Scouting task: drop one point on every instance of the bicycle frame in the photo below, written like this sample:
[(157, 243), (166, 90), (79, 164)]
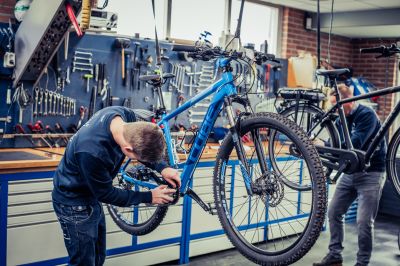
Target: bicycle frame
[(382, 131), (221, 89)]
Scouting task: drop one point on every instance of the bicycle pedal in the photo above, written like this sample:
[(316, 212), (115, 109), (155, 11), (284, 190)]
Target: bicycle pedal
[(212, 208)]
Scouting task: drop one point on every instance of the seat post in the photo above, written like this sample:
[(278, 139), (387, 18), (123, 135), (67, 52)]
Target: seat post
[(160, 97), (342, 117)]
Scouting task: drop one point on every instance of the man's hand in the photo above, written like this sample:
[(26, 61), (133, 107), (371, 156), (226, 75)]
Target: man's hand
[(171, 175), (318, 142), (162, 194)]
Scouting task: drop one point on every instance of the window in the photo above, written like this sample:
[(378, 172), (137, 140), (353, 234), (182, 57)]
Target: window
[(136, 16), (192, 17), (259, 23)]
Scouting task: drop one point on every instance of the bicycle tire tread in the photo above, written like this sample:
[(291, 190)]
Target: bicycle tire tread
[(316, 221)]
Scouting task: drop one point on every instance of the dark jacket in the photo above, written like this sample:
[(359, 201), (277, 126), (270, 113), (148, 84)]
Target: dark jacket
[(91, 160), (364, 124)]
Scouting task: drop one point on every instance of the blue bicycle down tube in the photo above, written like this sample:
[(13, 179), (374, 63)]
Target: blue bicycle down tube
[(203, 134)]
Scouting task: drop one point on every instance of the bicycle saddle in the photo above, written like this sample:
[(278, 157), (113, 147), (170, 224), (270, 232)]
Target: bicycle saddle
[(155, 78), (332, 73)]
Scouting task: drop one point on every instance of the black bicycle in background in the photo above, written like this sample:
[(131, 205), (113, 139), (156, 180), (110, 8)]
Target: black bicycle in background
[(320, 124)]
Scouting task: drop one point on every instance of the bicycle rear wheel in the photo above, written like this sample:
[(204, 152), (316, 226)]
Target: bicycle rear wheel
[(306, 116), (275, 225), (393, 162), (139, 219)]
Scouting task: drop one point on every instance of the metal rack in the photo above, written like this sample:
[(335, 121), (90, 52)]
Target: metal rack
[(177, 234)]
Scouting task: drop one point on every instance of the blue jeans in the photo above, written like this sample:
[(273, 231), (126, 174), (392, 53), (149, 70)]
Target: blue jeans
[(84, 230), (367, 187)]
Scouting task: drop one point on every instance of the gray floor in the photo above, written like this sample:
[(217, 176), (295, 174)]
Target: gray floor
[(386, 251)]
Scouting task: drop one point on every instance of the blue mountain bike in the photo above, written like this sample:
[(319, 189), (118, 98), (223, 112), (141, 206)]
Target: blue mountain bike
[(266, 220)]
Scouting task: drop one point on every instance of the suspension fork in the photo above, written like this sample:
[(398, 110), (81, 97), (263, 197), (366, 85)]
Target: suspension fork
[(240, 151)]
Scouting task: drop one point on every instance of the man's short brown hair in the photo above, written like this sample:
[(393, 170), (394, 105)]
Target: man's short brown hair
[(146, 139)]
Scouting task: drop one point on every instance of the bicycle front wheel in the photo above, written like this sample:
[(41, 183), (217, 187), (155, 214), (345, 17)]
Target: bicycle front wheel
[(276, 225)]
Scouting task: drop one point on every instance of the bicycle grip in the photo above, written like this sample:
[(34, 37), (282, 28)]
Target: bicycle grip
[(184, 48), (373, 50)]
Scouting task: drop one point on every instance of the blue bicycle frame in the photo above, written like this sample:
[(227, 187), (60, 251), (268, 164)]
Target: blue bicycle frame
[(222, 88)]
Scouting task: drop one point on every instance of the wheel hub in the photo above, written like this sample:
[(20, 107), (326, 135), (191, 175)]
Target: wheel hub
[(270, 188)]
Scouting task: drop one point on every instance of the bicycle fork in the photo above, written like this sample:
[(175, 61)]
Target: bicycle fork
[(240, 151)]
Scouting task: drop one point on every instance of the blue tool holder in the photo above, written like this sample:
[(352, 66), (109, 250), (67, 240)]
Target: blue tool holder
[(104, 51)]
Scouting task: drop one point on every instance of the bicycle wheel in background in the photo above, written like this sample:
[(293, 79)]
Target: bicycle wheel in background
[(276, 225), (139, 219), (393, 162), (306, 117)]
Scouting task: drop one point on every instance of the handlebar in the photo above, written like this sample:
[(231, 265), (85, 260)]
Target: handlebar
[(207, 53), (184, 48), (385, 51), (374, 50)]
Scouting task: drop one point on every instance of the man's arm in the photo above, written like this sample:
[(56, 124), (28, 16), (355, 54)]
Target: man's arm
[(159, 166), (169, 174), (99, 182)]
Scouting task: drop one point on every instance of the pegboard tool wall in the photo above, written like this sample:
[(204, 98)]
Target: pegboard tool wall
[(104, 51)]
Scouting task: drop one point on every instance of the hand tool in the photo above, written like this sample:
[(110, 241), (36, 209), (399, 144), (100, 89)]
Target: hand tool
[(90, 70), (87, 77), (60, 105), (128, 67), (20, 130), (92, 104), (35, 111), (58, 96), (50, 100), (100, 80), (79, 64), (59, 129), (84, 53), (191, 120), (41, 102), (105, 81), (62, 111), (96, 73), (6, 119), (67, 76), (122, 43), (201, 105), (192, 113), (36, 129), (66, 43), (76, 58), (82, 111), (8, 98), (46, 95)]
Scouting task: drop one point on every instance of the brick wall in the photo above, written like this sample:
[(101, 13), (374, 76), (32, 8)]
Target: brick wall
[(6, 10), (295, 37), (375, 69), (344, 52)]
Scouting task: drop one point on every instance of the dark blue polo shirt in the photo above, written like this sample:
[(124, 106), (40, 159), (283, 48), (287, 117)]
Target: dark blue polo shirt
[(91, 160)]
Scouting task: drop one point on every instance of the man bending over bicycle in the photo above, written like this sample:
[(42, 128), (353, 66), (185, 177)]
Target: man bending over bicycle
[(363, 124), (83, 179)]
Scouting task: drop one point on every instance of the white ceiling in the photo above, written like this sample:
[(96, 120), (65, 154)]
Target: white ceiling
[(339, 5), (391, 31)]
